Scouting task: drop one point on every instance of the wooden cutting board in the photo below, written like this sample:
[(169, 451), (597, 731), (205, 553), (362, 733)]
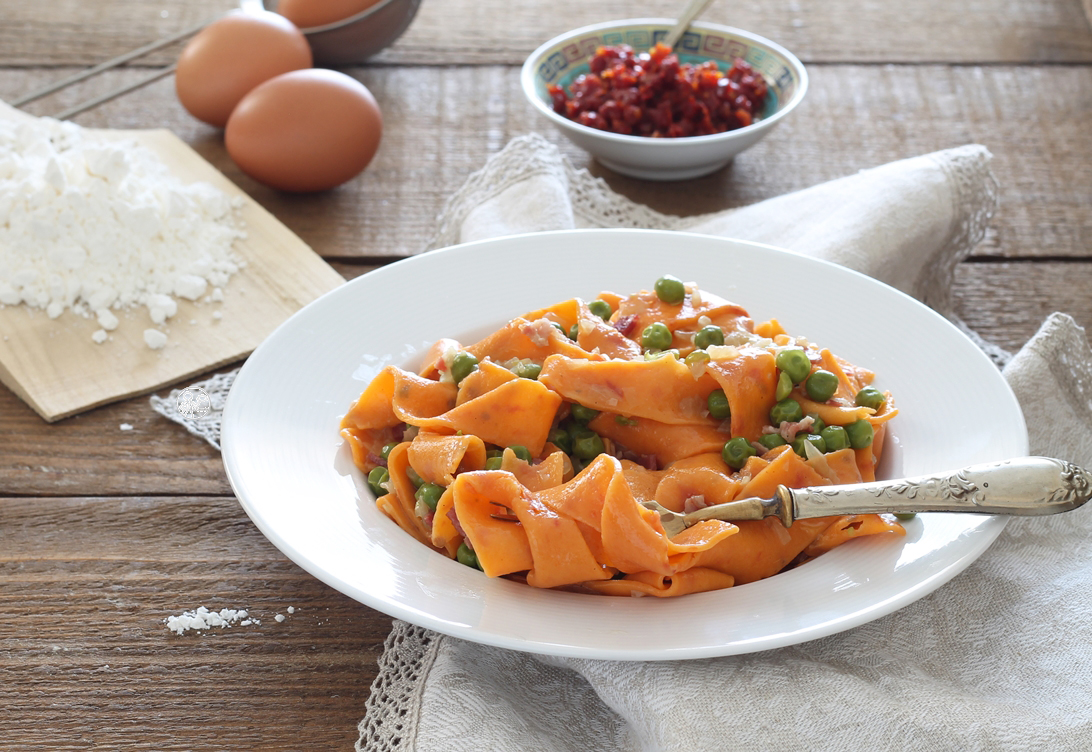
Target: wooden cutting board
[(55, 366)]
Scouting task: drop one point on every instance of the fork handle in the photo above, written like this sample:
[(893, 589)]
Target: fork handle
[(1023, 486)]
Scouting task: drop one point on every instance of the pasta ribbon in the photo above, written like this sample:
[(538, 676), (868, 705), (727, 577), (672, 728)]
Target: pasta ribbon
[(703, 478), (662, 389), (521, 338), (749, 381), (518, 412), (668, 442), (437, 457), (395, 396)]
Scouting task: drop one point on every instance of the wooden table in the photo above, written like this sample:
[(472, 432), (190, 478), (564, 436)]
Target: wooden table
[(104, 533)]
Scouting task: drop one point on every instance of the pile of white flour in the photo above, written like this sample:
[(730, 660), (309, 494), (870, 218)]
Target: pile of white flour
[(95, 226)]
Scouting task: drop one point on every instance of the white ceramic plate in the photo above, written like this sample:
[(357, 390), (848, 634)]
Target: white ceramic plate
[(294, 477)]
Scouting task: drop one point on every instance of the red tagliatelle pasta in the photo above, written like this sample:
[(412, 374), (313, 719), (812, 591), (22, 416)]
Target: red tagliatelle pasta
[(528, 454)]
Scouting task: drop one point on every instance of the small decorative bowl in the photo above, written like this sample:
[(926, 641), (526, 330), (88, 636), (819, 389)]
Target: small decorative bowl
[(564, 58), (354, 39)]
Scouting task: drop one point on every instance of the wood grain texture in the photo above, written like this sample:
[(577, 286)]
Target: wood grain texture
[(1007, 302), (105, 532), (442, 123), (87, 661), (90, 454), (489, 32)]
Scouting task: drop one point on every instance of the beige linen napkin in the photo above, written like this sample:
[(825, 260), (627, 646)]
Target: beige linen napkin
[(998, 659)]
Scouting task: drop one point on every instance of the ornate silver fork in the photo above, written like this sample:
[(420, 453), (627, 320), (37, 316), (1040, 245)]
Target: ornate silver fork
[(1024, 486)]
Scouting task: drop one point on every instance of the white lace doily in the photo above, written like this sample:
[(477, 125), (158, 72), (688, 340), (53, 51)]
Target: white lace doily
[(205, 424), (391, 712)]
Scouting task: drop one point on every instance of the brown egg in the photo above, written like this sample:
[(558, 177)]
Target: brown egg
[(231, 56), (305, 131), (308, 13)]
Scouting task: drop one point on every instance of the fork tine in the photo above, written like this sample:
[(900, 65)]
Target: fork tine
[(673, 522)]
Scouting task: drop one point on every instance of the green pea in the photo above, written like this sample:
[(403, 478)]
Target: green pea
[(429, 494), (624, 420), (835, 437), (786, 410), (527, 370), (587, 444), (558, 326), (871, 397), (904, 516), (521, 451), (821, 385), (561, 439), (582, 414), (771, 440), (462, 365), (736, 452), (670, 289), (493, 463), (600, 308), (656, 337), (707, 336), (784, 386), (385, 452), (574, 332), (465, 555), (696, 356), (795, 363), (415, 479), (376, 478), (808, 438), (817, 423), (717, 402), (860, 434)]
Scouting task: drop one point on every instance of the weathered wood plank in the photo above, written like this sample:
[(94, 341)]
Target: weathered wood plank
[(466, 31), (85, 587), (1007, 302), (441, 124), (91, 454)]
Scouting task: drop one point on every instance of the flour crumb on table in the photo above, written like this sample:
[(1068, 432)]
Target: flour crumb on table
[(106, 319), (155, 339), (202, 619), (96, 225), (126, 427)]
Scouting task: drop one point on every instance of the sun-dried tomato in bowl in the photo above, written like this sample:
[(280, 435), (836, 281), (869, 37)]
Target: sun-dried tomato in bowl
[(653, 94)]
